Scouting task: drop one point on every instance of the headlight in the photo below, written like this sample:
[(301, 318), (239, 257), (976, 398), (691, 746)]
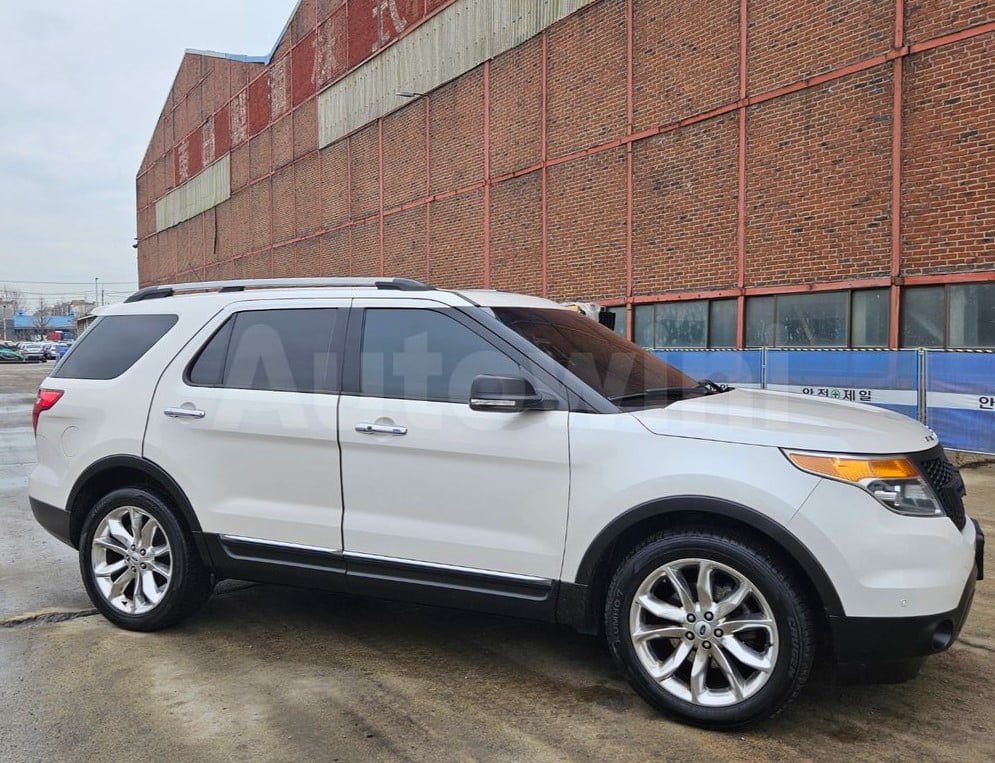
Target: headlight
[(895, 482)]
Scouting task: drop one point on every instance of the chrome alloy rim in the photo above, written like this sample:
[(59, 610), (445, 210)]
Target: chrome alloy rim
[(131, 559), (703, 632)]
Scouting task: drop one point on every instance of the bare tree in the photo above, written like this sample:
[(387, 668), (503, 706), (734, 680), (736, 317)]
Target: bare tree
[(42, 317), (11, 298)]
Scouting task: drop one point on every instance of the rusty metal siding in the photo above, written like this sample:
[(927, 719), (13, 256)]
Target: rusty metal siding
[(453, 42), (206, 190)]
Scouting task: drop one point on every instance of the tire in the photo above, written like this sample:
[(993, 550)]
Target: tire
[(147, 585), (713, 678)]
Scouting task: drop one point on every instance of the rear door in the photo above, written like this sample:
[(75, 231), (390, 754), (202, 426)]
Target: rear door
[(245, 420)]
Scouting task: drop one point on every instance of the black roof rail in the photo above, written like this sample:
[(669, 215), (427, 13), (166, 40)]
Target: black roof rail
[(397, 284)]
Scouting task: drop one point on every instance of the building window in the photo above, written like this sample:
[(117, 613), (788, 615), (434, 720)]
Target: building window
[(820, 319), (955, 316), (698, 323), (621, 317), (870, 317)]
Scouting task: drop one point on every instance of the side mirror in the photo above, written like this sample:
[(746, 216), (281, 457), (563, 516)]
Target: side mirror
[(507, 394)]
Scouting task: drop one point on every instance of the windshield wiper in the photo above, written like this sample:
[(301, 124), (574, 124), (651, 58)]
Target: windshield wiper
[(655, 392), (706, 386)]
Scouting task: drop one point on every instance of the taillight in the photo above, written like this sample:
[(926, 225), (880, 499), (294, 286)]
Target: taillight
[(45, 400)]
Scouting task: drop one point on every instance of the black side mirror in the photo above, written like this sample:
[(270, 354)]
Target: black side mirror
[(508, 394)]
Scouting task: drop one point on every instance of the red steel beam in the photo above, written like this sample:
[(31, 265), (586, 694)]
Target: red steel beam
[(543, 167), (487, 174), (380, 216), (629, 120), (741, 177), (428, 184), (895, 306)]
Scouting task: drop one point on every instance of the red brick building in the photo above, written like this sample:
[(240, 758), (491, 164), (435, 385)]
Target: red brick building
[(738, 172)]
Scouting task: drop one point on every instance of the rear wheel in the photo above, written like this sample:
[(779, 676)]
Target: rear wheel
[(709, 628), (138, 563)]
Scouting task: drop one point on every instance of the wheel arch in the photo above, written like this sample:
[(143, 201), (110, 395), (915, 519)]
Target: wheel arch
[(581, 601), (121, 471)]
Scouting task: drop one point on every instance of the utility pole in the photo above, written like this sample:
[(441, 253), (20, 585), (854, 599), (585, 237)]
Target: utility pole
[(96, 292)]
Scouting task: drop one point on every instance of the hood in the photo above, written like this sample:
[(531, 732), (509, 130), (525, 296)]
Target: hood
[(788, 420)]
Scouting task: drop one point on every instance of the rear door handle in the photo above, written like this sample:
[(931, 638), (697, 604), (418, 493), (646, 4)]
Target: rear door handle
[(364, 428), (184, 413)]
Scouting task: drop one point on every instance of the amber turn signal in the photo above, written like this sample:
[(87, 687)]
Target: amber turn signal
[(851, 469)]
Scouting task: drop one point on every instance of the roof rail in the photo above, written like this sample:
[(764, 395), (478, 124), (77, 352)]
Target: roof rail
[(158, 292)]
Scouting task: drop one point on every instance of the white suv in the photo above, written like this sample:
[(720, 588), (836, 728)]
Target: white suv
[(497, 452)]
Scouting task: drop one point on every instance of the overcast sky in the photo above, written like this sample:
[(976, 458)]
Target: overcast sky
[(82, 83)]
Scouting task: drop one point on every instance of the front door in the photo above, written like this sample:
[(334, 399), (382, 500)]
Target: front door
[(428, 480)]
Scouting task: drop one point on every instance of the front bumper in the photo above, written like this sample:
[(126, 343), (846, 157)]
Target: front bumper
[(892, 649)]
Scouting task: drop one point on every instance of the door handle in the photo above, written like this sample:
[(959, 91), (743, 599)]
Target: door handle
[(364, 428), (184, 413)]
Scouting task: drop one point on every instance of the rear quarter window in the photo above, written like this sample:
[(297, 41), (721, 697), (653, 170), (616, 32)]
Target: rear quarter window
[(112, 345)]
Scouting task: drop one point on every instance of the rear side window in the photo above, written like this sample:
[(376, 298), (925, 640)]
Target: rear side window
[(112, 345), (275, 350)]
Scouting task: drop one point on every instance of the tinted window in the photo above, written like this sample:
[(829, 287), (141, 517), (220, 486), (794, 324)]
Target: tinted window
[(276, 350), (112, 345), (425, 355), (601, 358)]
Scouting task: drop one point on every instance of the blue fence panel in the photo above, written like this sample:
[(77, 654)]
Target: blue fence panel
[(743, 368), (886, 378), (960, 399)]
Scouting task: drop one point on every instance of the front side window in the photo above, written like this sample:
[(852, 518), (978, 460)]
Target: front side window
[(275, 350), (419, 354), (112, 345)]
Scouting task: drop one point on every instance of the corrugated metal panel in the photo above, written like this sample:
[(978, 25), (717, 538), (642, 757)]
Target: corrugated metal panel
[(453, 42), (199, 194)]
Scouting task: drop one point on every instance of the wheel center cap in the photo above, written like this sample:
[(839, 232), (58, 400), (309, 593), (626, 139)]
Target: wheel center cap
[(135, 557), (704, 630)]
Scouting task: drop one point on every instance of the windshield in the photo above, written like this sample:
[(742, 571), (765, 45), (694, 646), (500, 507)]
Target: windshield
[(623, 372)]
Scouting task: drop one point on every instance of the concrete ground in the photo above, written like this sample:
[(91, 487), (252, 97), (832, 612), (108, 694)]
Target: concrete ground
[(269, 673)]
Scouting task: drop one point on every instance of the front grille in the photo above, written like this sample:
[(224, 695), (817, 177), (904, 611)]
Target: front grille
[(945, 480)]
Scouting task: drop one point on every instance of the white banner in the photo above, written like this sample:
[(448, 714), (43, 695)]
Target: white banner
[(963, 401), (854, 394)]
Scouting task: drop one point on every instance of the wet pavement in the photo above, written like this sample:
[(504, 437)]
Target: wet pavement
[(271, 673)]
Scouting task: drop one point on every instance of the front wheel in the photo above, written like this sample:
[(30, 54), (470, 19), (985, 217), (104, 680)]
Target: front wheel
[(709, 628), (138, 563)]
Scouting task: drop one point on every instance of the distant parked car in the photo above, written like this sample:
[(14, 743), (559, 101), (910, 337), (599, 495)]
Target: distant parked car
[(8, 355), (50, 350), (32, 350), (60, 349)]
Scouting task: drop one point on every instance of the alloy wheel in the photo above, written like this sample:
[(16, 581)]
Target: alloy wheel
[(132, 560), (703, 632)]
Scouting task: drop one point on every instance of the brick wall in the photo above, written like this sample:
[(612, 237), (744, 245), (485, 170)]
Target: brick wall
[(632, 151)]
